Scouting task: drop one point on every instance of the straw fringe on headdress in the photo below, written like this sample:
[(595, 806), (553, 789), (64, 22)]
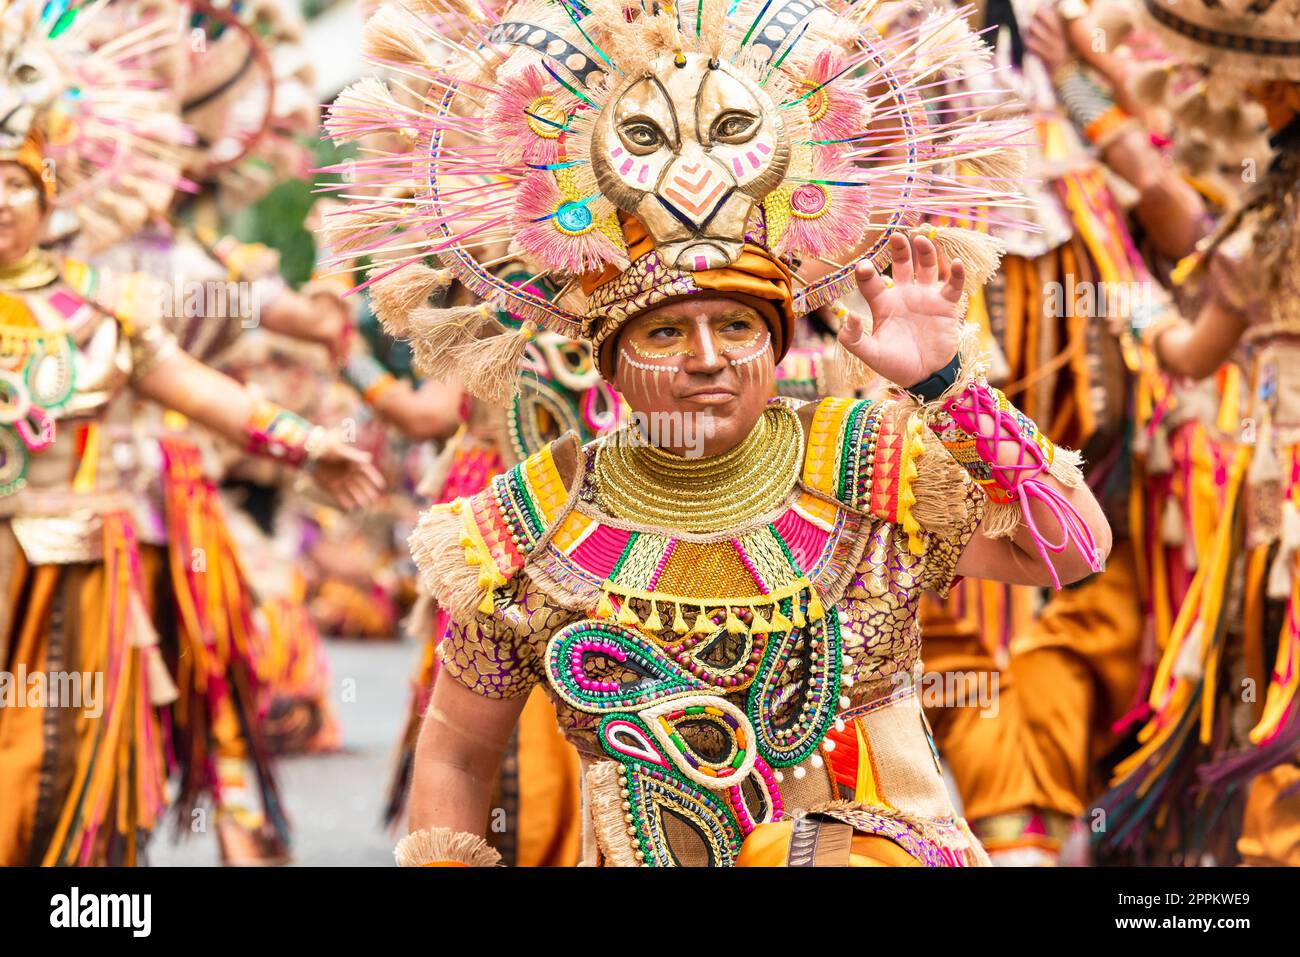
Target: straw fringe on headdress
[(112, 136), (513, 146), (1244, 39)]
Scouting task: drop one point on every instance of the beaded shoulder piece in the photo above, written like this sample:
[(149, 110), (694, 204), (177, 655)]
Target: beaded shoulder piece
[(493, 531), (39, 366), (860, 465), (863, 454)]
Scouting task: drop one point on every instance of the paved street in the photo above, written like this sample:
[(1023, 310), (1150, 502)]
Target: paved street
[(335, 800)]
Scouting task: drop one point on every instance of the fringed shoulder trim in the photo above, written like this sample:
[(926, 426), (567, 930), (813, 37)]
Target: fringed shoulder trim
[(878, 457), (468, 548)]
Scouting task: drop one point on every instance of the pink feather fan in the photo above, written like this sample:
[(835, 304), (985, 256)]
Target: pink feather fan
[(826, 219), (525, 117), (539, 227)]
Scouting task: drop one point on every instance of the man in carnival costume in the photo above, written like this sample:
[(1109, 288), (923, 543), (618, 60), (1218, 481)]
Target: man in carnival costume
[(723, 633), (83, 781)]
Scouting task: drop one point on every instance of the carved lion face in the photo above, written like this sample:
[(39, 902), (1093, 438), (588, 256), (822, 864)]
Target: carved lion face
[(30, 80), (690, 150)]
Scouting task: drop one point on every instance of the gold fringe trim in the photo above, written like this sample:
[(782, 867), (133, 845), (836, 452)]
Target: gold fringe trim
[(605, 787), (439, 844), (913, 448), (451, 571), (705, 608)]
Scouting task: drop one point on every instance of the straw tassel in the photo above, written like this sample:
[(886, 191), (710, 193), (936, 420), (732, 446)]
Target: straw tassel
[(441, 844), (703, 624), (1005, 164), (438, 551), (780, 623), (390, 37), (356, 230), (848, 372), (944, 484), (438, 336), (489, 368), (605, 798), (679, 623), (398, 296), (351, 117), (979, 252), (734, 625), (758, 624)]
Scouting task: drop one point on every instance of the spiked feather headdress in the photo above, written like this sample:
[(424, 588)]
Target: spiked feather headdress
[(84, 79), (637, 152)]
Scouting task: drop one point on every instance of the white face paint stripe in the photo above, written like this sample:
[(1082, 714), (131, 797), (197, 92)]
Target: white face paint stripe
[(753, 357), (645, 366), (18, 198)]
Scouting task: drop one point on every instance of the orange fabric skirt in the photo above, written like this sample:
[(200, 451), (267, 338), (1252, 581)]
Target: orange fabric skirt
[(81, 782)]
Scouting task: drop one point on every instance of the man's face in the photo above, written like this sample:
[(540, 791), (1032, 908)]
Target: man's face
[(21, 212), (702, 369)]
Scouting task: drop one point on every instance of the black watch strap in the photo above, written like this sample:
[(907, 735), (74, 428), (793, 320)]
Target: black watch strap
[(937, 383)]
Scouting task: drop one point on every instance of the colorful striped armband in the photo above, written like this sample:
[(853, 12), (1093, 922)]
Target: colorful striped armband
[(276, 433), (1007, 455)]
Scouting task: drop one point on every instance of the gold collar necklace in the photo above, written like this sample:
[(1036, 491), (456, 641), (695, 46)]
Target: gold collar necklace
[(648, 486), (34, 270)]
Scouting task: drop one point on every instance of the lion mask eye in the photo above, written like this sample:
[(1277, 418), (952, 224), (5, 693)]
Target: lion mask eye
[(641, 136), (27, 73), (734, 127)]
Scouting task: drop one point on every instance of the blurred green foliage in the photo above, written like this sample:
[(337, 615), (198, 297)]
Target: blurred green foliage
[(278, 219)]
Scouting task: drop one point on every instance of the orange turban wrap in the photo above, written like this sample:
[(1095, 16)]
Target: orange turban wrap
[(756, 278), (31, 157)]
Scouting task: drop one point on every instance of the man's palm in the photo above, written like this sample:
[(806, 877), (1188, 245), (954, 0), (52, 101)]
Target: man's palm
[(915, 317)]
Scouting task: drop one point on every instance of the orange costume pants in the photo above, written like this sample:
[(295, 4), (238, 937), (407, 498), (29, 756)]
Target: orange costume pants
[(1072, 673)]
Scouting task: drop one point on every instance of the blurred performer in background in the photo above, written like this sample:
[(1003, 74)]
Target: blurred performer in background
[(730, 638), (1223, 706), (84, 782), (555, 389), (245, 95)]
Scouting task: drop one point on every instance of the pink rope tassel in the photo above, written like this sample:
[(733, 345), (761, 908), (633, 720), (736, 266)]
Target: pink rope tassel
[(1018, 481)]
